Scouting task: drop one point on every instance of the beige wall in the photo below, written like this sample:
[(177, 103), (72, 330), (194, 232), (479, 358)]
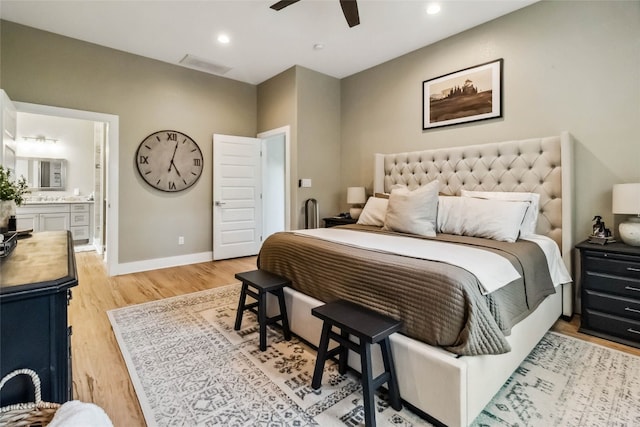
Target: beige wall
[(43, 68), (319, 140), (277, 107), (567, 66), (309, 102)]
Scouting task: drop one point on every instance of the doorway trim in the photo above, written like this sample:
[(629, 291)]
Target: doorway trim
[(111, 149), (286, 130)]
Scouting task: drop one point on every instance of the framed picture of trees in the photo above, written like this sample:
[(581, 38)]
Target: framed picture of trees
[(474, 93)]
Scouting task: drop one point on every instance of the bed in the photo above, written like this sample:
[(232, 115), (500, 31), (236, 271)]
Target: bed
[(450, 382)]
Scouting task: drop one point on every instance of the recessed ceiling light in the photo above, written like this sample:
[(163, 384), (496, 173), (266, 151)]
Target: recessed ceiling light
[(433, 8), (223, 38)]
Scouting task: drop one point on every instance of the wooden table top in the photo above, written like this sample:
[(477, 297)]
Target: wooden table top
[(43, 258)]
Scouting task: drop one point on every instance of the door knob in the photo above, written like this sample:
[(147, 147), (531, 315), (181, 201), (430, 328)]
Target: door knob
[(219, 203)]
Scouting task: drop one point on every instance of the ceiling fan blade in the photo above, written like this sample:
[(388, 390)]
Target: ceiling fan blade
[(282, 4), (350, 10)]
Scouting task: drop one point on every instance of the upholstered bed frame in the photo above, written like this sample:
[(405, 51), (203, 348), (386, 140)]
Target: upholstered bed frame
[(449, 388)]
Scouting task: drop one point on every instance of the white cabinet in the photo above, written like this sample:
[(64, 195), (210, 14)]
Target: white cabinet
[(80, 220), (54, 221), (27, 221), (43, 217), (75, 217)]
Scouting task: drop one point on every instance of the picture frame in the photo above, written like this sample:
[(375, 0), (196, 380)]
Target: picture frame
[(463, 96)]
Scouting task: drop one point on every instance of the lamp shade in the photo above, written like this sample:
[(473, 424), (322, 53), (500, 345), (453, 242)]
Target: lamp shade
[(626, 199), (356, 195)]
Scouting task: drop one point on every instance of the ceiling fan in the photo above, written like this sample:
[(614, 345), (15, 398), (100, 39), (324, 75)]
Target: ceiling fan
[(349, 8)]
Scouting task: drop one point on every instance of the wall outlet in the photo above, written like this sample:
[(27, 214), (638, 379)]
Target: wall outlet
[(181, 240)]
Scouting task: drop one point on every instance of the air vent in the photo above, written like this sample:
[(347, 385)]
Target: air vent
[(203, 65)]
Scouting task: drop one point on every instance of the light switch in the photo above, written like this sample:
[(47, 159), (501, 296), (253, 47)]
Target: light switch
[(305, 182)]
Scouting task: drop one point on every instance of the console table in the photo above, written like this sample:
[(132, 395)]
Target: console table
[(35, 287)]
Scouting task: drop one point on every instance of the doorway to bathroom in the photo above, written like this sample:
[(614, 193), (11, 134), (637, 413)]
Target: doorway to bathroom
[(87, 141)]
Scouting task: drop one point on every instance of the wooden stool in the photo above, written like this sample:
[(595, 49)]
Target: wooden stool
[(263, 282), (370, 328)]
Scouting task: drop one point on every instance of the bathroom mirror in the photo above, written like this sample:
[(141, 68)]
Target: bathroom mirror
[(43, 174)]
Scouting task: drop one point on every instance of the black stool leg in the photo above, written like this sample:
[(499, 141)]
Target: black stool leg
[(387, 358), (262, 319), (241, 303), (344, 354), (321, 357), (283, 313), (368, 392)]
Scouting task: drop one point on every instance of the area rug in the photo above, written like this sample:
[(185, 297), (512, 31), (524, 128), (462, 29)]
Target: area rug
[(190, 368)]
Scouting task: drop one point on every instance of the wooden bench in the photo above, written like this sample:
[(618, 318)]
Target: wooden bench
[(370, 328), (263, 282)]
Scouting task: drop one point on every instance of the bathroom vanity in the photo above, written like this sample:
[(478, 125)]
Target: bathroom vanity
[(75, 216)]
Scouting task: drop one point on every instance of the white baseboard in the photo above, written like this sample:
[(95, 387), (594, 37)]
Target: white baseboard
[(158, 263)]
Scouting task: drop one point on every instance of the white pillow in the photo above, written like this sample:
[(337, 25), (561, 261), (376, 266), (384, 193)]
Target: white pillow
[(413, 211), (491, 219), (530, 222), (374, 212)]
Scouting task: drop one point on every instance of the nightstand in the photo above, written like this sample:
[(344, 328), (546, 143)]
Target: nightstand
[(610, 291), (335, 220)]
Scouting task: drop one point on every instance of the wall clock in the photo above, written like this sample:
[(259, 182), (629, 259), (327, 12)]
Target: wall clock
[(169, 160)]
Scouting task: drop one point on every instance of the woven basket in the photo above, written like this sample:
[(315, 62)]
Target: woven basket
[(31, 413)]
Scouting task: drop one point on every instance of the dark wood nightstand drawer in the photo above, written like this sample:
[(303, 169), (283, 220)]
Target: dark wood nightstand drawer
[(610, 290), (613, 325), (622, 265), (618, 306), (612, 284)]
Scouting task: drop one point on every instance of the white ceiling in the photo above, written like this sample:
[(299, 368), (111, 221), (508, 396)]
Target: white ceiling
[(263, 42)]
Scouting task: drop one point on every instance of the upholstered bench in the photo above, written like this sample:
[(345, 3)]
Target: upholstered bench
[(263, 283), (370, 328)]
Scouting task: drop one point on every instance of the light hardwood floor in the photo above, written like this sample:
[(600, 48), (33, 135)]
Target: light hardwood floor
[(99, 372)]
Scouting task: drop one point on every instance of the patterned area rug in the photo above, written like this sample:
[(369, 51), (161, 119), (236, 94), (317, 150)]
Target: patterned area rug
[(190, 368)]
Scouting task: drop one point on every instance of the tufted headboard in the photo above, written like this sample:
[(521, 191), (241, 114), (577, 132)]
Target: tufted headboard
[(540, 165)]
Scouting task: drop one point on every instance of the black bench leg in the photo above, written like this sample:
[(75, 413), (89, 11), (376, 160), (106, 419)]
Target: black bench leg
[(387, 358), (368, 392), (262, 320), (241, 303), (344, 354), (321, 357), (283, 313)]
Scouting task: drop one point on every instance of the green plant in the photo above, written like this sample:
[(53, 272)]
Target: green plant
[(11, 189)]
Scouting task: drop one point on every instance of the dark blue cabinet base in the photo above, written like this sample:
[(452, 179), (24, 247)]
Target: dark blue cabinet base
[(34, 331)]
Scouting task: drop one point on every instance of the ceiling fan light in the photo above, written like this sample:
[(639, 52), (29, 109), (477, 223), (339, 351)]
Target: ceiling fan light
[(433, 8)]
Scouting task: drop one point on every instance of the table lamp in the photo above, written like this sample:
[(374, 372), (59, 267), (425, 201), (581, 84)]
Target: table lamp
[(626, 200), (356, 196)]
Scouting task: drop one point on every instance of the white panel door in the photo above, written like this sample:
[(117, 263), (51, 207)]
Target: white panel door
[(8, 124), (237, 210)]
